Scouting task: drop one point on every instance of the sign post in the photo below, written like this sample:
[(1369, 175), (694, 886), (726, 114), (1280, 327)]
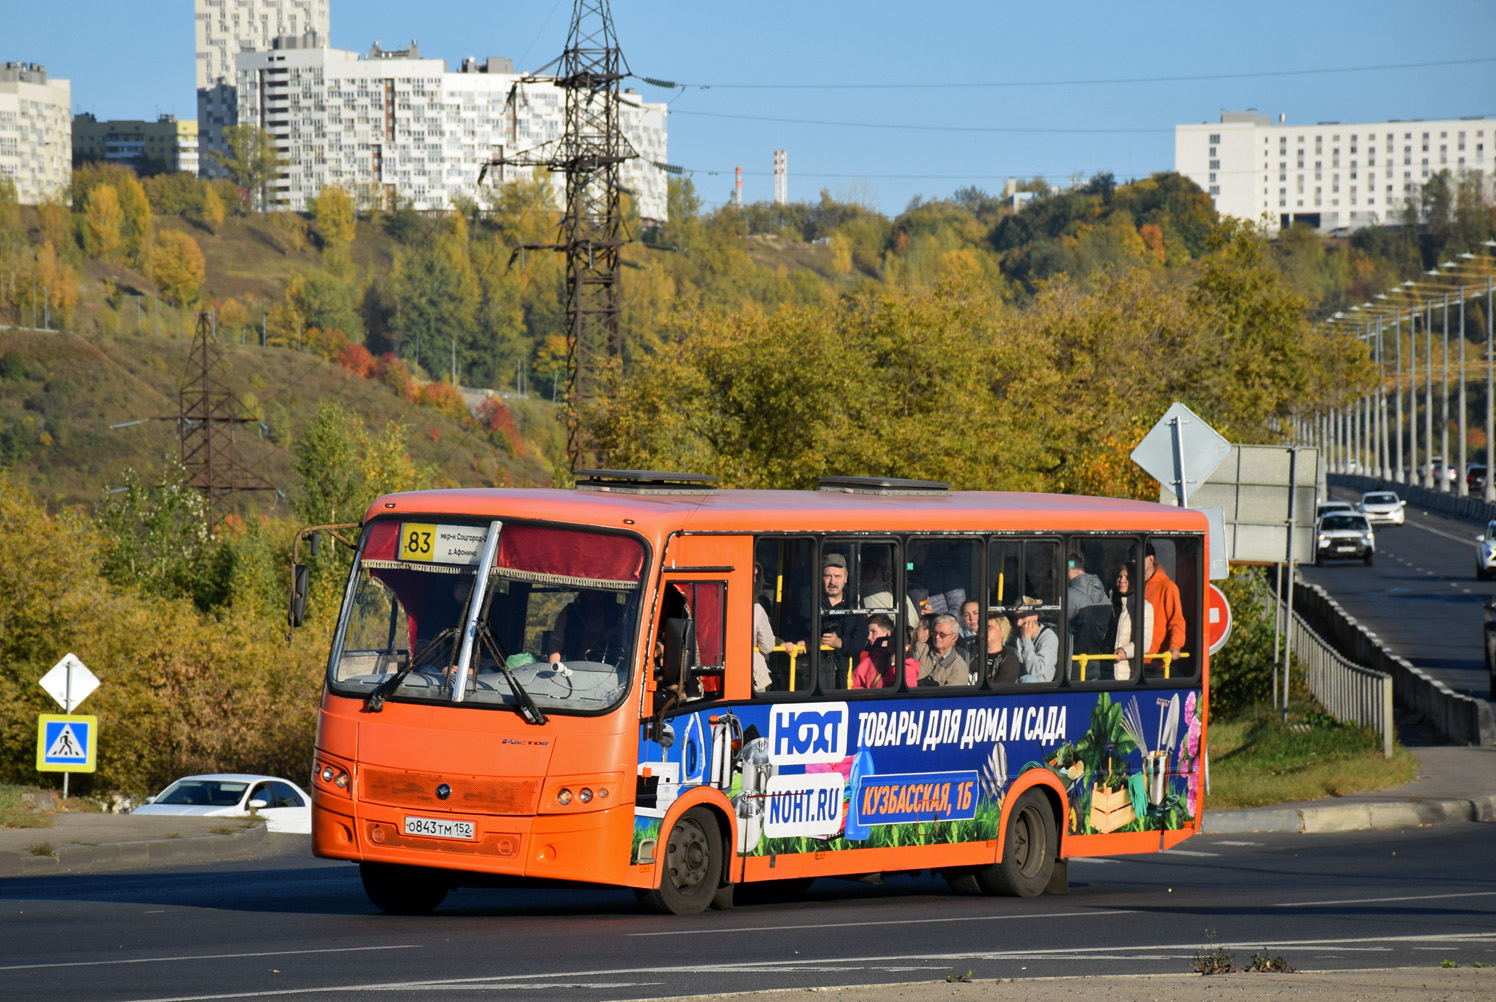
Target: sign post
[(67, 743)]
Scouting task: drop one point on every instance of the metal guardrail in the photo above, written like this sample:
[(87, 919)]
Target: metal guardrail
[(1349, 692), (1472, 508)]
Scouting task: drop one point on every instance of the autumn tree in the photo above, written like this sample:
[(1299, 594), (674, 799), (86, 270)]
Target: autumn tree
[(136, 223), (210, 211), (336, 216), (103, 221), (176, 265)]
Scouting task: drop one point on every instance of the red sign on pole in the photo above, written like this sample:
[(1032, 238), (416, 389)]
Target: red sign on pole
[(1217, 617)]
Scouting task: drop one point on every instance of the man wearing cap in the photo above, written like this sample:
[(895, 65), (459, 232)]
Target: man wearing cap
[(1036, 645), (842, 632)]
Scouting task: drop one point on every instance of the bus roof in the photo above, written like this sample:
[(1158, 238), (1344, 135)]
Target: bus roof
[(788, 511)]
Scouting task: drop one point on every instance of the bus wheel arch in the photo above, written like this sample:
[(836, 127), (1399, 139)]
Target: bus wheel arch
[(1029, 848), (693, 864)]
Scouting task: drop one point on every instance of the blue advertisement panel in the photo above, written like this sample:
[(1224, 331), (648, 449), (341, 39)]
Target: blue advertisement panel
[(873, 773)]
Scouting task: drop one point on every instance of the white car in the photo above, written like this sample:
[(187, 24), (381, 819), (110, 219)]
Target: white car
[(1333, 508), (284, 805), (1382, 508), (1344, 536), (1485, 553)]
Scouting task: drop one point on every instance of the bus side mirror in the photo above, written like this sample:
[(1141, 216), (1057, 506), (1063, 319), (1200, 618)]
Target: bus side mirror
[(300, 577), (680, 648)]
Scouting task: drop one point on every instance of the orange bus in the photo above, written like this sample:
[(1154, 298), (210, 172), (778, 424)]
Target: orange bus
[(648, 682)]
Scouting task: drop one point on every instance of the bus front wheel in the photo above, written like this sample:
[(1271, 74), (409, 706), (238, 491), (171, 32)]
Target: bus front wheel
[(1029, 849), (693, 866), (401, 890)]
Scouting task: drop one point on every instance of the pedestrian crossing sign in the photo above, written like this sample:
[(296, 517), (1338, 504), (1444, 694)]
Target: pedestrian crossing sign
[(66, 743)]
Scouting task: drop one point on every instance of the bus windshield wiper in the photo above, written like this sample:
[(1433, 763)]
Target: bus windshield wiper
[(527, 707), (375, 701)]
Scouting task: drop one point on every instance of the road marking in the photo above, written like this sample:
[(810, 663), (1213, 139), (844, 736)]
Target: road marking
[(854, 925), (1379, 901), (211, 956), (1134, 952), (1188, 852), (1223, 842), (1093, 859)]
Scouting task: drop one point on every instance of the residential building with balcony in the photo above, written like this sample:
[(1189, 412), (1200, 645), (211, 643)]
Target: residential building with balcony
[(35, 132)]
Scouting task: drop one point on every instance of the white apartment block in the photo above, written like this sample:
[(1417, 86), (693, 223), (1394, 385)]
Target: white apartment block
[(395, 124), (224, 28), (36, 132), (1331, 175)]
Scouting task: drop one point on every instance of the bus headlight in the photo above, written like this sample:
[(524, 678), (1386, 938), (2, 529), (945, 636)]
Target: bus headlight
[(333, 778), (564, 797)]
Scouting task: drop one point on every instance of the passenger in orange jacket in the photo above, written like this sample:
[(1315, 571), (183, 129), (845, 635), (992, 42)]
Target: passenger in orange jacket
[(1168, 612)]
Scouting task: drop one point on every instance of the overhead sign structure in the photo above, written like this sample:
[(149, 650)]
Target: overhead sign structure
[(66, 743), (1267, 493), (1217, 618), (1181, 451), (69, 682)]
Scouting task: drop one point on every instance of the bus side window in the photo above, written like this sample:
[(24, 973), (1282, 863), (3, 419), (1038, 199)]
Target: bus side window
[(702, 604), (1173, 569), (944, 574), (783, 591), (1103, 595), (1025, 586)]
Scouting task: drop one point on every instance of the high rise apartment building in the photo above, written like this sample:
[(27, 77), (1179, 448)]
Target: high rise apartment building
[(1331, 175), (165, 145), (36, 144), (391, 124), (225, 28)]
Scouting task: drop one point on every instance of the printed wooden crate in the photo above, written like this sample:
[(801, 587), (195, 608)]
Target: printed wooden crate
[(1111, 809)]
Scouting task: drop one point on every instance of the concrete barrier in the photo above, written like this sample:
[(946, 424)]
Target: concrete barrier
[(1460, 718)]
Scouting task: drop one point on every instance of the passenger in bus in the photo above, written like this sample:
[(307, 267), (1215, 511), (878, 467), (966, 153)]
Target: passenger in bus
[(875, 668), (1036, 645), (587, 629), (919, 646), (971, 618), (999, 663), (763, 646), (1123, 644), (1162, 594), (948, 663), (1087, 608), (876, 591), (842, 633)]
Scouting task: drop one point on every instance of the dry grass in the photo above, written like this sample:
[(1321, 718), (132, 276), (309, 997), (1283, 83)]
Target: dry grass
[(1258, 761)]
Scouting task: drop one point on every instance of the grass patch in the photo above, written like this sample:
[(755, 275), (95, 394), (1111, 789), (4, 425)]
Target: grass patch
[(21, 817), (42, 849), (1257, 759)]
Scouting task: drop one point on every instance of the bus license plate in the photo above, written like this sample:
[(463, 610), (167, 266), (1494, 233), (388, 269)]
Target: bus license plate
[(439, 828)]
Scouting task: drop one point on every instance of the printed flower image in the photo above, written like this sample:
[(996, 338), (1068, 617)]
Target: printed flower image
[(1189, 756)]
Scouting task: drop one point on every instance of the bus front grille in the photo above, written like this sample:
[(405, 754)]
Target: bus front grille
[(469, 794)]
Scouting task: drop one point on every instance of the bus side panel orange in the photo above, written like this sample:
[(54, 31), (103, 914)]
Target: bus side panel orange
[(853, 861)]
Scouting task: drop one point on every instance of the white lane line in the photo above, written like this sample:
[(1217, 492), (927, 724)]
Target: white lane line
[(1093, 859), (1224, 842), (1380, 901), (1149, 952), (1189, 852), (856, 925), (211, 956)]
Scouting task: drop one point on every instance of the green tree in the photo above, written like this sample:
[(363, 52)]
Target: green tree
[(103, 221), (436, 298), (154, 536), (251, 160), (176, 265), (327, 463)]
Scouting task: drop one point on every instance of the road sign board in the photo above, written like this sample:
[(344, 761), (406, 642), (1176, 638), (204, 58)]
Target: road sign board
[(69, 682), (66, 742), (1181, 450), (1217, 617)]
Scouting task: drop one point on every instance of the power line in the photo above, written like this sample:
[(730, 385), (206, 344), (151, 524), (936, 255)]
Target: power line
[(1093, 82), (920, 128)]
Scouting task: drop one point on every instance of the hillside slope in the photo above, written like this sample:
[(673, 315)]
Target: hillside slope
[(61, 393)]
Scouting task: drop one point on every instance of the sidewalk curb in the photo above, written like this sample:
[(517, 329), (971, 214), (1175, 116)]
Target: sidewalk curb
[(1351, 817), (125, 855)]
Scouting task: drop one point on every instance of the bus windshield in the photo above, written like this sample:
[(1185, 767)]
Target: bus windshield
[(559, 618)]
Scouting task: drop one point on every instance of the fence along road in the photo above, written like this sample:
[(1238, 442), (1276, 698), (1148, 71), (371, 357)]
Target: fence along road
[(1423, 604)]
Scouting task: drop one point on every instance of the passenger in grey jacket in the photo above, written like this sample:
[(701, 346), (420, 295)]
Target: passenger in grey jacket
[(1085, 589), (1036, 645)]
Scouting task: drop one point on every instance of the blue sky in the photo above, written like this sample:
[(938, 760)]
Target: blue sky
[(132, 60)]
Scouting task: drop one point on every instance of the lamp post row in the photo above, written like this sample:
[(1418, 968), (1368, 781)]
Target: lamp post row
[(1360, 436)]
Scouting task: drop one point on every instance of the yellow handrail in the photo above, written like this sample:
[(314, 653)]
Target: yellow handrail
[(1165, 656)]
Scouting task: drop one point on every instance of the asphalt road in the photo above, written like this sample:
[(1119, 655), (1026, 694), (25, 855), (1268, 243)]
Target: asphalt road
[(1420, 596), (286, 925)]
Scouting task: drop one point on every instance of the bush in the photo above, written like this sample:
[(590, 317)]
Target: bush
[(1241, 672)]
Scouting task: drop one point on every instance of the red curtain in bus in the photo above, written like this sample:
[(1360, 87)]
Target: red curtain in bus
[(542, 549)]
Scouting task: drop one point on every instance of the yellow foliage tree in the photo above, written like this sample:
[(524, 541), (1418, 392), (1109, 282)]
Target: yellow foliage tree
[(210, 212), (136, 223), (335, 212), (176, 265), (103, 221)]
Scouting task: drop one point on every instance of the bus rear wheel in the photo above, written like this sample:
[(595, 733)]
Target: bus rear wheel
[(693, 866), (402, 890), (1029, 850)]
